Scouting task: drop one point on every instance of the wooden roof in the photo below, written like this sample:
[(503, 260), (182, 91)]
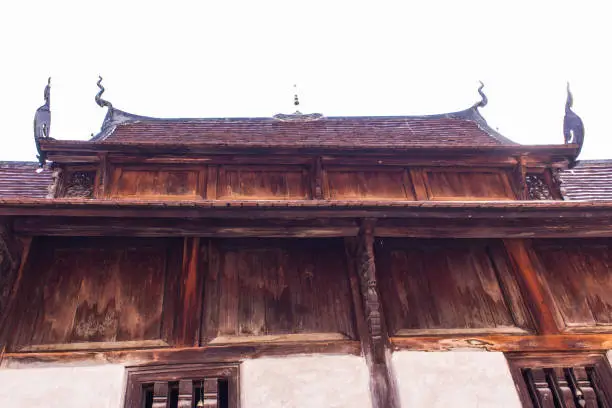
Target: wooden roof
[(588, 180), (463, 128), (20, 179)]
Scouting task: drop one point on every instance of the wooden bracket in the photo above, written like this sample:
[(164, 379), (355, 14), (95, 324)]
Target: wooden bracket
[(317, 178), (520, 178)]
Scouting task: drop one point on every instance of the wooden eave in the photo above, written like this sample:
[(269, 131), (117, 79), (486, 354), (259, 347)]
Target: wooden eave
[(86, 151), (313, 218)]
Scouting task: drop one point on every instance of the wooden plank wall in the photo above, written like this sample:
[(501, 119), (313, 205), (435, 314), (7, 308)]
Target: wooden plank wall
[(270, 289), (441, 286), (300, 182)]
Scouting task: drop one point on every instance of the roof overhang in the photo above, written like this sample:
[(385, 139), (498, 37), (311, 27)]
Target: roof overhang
[(309, 218)]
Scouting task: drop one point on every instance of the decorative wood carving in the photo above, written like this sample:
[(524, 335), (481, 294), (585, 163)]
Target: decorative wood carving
[(56, 181), (79, 184), (367, 274), (538, 188)]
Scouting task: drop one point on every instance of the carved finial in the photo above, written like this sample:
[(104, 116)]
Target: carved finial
[(296, 99), (484, 100), (101, 102), (570, 99), (573, 127), (47, 94), (42, 123)]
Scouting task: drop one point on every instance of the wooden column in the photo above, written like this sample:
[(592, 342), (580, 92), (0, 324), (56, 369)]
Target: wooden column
[(211, 392), (370, 321), (537, 298), (520, 178)]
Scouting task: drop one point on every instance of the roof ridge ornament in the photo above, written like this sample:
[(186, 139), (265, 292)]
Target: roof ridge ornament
[(297, 116), (484, 100), (101, 102), (573, 127), (42, 123)]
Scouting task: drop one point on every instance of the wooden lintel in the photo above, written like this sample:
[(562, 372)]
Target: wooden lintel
[(506, 343), (209, 354)]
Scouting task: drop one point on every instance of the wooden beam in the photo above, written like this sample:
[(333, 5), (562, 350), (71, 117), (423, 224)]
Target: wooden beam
[(203, 355), (506, 343), (539, 302)]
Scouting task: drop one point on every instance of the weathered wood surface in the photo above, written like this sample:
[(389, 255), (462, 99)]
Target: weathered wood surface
[(93, 290), (577, 274), (505, 342), (433, 286), (263, 183), (467, 185), (352, 184), (139, 182), (203, 355), (12, 253), (270, 287)]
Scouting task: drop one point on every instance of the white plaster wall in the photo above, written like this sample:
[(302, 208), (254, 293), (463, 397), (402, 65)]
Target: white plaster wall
[(454, 379), (63, 387), (313, 381)]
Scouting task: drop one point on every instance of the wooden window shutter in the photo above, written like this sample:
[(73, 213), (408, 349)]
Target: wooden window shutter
[(182, 386), (562, 380)]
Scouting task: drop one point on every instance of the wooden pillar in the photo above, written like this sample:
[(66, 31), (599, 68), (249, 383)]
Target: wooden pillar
[(185, 394), (160, 395), (369, 315), (537, 298)]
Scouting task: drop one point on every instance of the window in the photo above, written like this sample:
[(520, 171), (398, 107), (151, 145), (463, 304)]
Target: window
[(183, 386), (562, 380)]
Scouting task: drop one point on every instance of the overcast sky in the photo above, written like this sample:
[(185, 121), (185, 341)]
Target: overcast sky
[(225, 58)]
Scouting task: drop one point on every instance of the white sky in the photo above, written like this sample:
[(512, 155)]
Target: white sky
[(227, 58)]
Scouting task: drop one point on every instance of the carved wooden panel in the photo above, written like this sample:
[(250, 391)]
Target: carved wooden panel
[(78, 183), (78, 292), (577, 275), (164, 183), (266, 289), (460, 184), (435, 286), (538, 188), (375, 184), (562, 380), (263, 183)]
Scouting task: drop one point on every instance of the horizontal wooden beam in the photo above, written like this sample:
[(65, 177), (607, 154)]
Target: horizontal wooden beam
[(506, 343), (303, 209), (209, 354), (495, 227)]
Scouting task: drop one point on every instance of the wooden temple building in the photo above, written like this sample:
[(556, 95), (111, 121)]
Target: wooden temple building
[(301, 261)]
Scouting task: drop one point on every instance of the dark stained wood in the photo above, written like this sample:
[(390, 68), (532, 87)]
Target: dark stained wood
[(212, 177), (526, 267), (316, 175), (417, 177), (263, 183), (13, 258), (92, 290), (467, 185), (189, 377), (571, 380), (277, 287), (576, 274), (103, 177), (165, 183), (373, 184), (449, 286)]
